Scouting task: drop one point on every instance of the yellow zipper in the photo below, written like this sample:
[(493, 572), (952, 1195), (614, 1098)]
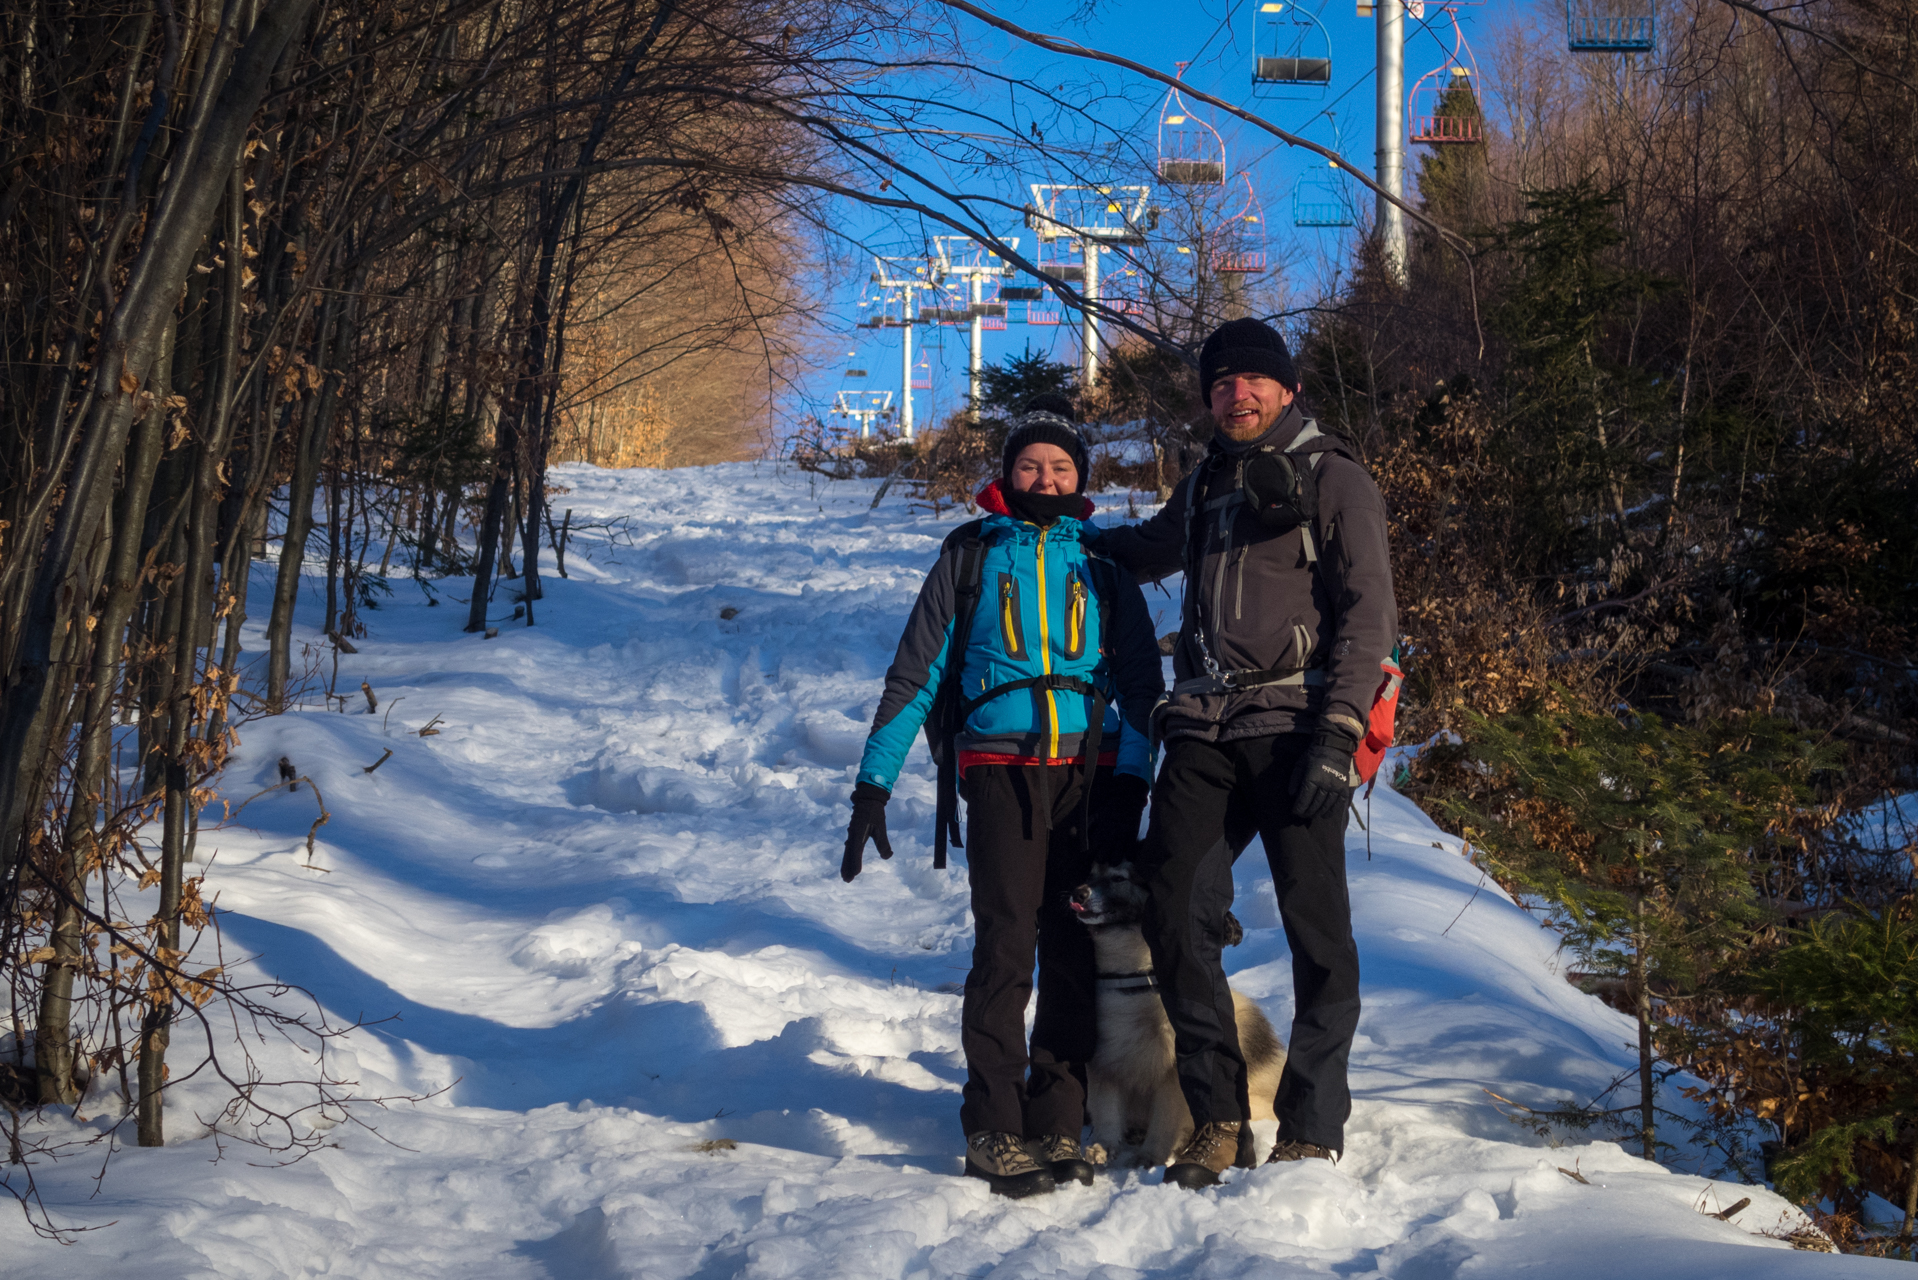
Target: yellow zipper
[(1045, 657), (1006, 621), (1076, 619)]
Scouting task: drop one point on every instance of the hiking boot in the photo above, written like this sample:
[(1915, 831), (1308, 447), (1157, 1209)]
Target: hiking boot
[(1285, 1151), (1065, 1157), (1003, 1161), (1212, 1149)]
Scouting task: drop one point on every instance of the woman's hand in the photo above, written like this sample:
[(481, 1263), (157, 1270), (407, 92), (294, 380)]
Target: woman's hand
[(868, 823)]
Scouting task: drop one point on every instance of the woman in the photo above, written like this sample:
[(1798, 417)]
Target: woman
[(1059, 642)]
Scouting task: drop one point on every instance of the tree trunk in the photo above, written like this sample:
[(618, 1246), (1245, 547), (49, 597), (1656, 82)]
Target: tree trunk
[(1911, 1194), (156, 1027), (340, 317), (53, 1048), (1642, 1002)]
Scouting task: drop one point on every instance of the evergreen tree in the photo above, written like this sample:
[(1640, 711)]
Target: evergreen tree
[(1576, 407), (1845, 994), (1005, 388), (1638, 838)]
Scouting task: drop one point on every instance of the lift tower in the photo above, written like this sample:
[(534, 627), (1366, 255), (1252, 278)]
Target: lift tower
[(1092, 219), (904, 279), (863, 407), (1390, 15), (965, 261)]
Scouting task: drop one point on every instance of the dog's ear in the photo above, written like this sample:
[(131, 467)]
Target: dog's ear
[(1234, 931)]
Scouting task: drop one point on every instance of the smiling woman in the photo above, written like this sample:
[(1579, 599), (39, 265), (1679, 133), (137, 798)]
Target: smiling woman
[(1020, 703)]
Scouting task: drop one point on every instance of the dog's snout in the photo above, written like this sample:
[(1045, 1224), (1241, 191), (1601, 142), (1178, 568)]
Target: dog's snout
[(1082, 894)]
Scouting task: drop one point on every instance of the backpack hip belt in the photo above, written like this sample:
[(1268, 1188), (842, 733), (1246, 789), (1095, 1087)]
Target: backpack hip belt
[(1239, 681)]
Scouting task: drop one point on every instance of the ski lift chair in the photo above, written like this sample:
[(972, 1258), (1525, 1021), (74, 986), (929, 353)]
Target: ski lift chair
[(1609, 28), (922, 374), (1291, 52), (1321, 200), (1443, 106), (1191, 152), (1238, 243)]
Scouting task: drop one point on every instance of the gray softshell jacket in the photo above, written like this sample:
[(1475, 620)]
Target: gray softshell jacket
[(1254, 602)]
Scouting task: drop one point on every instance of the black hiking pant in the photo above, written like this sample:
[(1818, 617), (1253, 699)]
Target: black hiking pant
[(1023, 858), (1208, 801)]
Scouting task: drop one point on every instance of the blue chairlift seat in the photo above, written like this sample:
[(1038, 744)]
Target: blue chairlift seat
[(1319, 201), (1586, 31)]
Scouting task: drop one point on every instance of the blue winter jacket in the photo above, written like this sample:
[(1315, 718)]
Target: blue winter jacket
[(1048, 606)]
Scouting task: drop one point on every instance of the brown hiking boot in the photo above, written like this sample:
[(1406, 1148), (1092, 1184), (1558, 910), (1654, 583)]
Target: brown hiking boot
[(1284, 1151), (1003, 1161), (1212, 1149), (1064, 1156)]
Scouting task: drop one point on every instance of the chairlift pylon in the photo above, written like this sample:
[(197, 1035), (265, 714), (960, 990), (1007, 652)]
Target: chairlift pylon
[(1191, 152), (1238, 243), (1291, 51), (1610, 26), (1443, 106)]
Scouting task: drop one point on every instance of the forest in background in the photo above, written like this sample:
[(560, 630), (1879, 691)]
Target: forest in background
[(342, 281)]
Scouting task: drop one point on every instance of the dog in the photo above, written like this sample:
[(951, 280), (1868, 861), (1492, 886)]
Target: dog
[(1138, 1113)]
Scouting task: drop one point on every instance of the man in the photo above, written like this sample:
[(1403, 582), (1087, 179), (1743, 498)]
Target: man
[(1287, 615)]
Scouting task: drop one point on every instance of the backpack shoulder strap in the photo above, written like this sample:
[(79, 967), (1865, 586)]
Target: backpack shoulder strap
[(942, 724)]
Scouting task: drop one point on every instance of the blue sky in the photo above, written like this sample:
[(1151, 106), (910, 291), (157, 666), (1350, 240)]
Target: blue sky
[(1216, 38)]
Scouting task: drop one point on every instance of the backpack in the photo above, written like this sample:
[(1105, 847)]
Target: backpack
[(1380, 726)]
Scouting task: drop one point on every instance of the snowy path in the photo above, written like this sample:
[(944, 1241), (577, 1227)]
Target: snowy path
[(602, 908)]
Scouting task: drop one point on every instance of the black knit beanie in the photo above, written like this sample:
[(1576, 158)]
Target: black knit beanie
[(1044, 426), (1245, 346)]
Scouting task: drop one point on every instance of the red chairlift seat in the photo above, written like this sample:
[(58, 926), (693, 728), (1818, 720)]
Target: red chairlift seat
[(1443, 106), (1446, 111), (1238, 243)]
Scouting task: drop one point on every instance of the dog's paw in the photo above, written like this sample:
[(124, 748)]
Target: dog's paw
[(1234, 931), (1096, 1155)]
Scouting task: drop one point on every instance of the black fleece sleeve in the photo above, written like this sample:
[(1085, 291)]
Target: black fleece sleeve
[(1358, 563), (1155, 547), (1134, 654)]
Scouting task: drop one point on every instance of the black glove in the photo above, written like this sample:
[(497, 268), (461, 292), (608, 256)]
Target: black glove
[(1322, 780), (868, 822), (1129, 794)]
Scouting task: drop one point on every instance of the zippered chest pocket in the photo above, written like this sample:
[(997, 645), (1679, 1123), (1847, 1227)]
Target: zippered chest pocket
[(1012, 635), (1076, 618)]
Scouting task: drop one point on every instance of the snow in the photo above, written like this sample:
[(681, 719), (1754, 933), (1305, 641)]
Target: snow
[(597, 928)]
